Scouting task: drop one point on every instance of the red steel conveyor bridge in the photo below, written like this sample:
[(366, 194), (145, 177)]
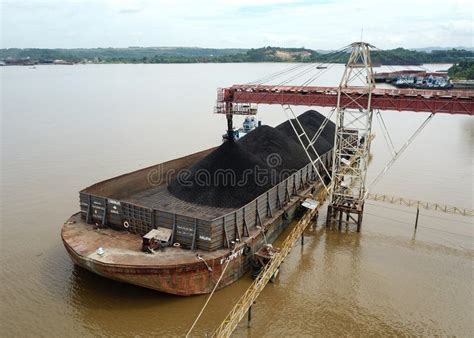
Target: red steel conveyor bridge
[(413, 100), (355, 105), (240, 100), (355, 100)]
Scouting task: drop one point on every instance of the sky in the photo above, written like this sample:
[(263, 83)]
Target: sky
[(319, 24)]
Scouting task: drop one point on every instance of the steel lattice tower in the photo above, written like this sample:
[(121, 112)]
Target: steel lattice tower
[(352, 139)]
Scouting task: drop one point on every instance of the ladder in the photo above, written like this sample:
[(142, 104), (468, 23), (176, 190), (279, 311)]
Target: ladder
[(239, 310)]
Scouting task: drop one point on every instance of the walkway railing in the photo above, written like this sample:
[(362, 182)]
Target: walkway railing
[(421, 204)]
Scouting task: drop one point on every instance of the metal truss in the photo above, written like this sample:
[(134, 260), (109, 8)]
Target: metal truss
[(308, 144), (352, 137), (395, 154)]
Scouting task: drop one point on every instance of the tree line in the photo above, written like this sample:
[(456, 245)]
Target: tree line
[(398, 56), (462, 71)]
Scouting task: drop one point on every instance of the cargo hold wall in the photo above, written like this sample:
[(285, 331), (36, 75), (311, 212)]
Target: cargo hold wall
[(194, 233)]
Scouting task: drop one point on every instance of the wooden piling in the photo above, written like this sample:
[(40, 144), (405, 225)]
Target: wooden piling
[(329, 217), (359, 221), (249, 316), (340, 219), (417, 215)]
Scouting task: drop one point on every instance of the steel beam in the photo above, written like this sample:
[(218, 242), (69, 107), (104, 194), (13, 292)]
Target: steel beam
[(410, 100), (352, 138)]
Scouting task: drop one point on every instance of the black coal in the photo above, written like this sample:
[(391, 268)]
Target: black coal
[(238, 172), (311, 121)]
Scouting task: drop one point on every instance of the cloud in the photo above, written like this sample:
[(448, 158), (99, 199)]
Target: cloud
[(257, 8), (319, 24), (125, 6)]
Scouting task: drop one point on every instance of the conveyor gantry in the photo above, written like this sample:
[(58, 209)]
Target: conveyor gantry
[(240, 99)]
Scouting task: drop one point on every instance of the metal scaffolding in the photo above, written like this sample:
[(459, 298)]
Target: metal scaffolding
[(353, 130)]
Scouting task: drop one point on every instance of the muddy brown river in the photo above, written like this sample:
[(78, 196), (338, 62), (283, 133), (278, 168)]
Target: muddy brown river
[(67, 127)]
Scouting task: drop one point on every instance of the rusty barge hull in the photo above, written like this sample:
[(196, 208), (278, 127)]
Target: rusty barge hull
[(209, 237), (176, 275)]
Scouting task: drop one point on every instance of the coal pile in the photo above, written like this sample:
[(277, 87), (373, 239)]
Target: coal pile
[(311, 121), (225, 178), (228, 177), (275, 149)]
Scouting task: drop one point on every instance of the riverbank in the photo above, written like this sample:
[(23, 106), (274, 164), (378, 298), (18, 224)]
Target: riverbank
[(155, 55)]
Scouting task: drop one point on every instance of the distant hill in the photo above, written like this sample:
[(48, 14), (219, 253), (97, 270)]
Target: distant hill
[(430, 49), (128, 55), (398, 56)]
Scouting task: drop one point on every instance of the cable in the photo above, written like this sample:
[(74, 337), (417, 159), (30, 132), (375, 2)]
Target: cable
[(447, 232), (208, 299), (314, 77), (328, 58), (400, 151), (322, 71), (317, 75), (447, 219), (409, 212), (389, 218), (385, 132), (421, 226), (275, 75), (403, 61)]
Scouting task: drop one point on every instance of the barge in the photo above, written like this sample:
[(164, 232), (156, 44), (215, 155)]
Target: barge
[(133, 230), (418, 79)]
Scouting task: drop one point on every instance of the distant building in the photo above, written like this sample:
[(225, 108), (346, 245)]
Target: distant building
[(20, 62), (62, 62), (46, 61)]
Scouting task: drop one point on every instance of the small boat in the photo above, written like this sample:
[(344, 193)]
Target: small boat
[(321, 67)]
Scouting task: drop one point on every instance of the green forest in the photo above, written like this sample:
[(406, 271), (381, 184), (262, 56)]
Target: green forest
[(462, 71), (398, 56)]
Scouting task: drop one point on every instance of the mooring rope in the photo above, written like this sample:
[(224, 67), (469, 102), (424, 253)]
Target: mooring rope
[(208, 299)]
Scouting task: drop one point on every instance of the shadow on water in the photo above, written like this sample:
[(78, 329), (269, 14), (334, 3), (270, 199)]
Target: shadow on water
[(87, 287), (105, 306)]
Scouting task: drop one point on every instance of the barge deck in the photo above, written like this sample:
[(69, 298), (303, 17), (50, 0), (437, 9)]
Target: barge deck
[(117, 255), (160, 198)]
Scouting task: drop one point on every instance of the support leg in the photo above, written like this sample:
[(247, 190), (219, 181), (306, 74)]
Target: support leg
[(315, 221), (249, 316), (416, 220), (230, 128), (329, 216), (340, 219), (359, 220)]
